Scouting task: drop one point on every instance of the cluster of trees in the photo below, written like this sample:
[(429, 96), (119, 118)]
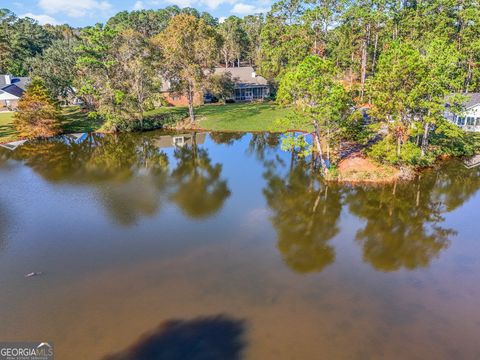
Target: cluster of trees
[(117, 69), (402, 58)]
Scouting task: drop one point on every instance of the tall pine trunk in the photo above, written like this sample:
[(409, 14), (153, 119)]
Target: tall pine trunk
[(190, 97), (425, 138), (316, 137), (365, 43), (468, 77)]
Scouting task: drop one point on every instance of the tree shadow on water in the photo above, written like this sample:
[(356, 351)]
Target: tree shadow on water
[(206, 338)]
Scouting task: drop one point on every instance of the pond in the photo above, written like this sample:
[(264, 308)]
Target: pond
[(223, 246)]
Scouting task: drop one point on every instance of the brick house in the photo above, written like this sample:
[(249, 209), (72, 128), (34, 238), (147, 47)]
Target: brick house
[(248, 87)]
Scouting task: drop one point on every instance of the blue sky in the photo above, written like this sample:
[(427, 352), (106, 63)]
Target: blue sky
[(89, 12)]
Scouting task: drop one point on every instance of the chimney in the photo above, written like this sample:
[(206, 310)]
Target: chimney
[(253, 74), (8, 80)]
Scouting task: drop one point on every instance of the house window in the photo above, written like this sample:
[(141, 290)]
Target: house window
[(178, 140), (470, 121), (478, 122), (461, 121)]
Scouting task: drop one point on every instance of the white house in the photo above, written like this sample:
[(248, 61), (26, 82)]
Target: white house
[(469, 120), (11, 90)]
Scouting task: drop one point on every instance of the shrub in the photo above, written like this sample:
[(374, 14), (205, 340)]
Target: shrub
[(385, 151), (356, 128), (448, 139), (150, 122)]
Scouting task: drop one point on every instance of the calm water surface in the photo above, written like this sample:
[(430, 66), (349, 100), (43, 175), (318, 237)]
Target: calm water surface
[(226, 247)]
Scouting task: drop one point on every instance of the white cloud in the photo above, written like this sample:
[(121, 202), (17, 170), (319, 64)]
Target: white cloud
[(139, 5), (41, 18), (211, 4), (247, 9), (181, 3), (222, 19), (73, 8)]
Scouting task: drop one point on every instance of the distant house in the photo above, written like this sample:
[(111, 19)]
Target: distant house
[(469, 119), (248, 86), (176, 99), (11, 90)]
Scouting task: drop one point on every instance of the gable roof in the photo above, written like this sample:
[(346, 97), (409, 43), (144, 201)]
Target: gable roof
[(244, 75)]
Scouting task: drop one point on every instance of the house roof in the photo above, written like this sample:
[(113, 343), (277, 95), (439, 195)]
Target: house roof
[(16, 87), (13, 90), (21, 82), (473, 100), (244, 75)]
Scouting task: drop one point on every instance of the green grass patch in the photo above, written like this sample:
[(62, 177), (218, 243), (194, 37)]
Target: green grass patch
[(228, 117), (75, 121), (7, 131), (247, 117), (180, 110)]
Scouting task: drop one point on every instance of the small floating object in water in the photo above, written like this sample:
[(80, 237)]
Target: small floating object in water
[(32, 274)]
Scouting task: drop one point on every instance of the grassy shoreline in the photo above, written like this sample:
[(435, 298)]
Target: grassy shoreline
[(75, 121), (240, 117)]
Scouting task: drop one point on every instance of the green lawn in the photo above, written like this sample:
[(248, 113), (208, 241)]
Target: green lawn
[(7, 131), (229, 117), (246, 117), (75, 121)]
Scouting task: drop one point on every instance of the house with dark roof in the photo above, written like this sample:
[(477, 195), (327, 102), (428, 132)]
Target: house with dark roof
[(469, 118), (11, 90), (248, 86)]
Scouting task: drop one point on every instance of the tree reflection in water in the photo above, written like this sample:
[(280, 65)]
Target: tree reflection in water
[(404, 221), (133, 176), (130, 173), (305, 214), (199, 189), (261, 144), (227, 138)]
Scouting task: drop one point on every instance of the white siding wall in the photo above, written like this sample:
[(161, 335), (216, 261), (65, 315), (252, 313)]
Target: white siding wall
[(470, 120), (7, 96)]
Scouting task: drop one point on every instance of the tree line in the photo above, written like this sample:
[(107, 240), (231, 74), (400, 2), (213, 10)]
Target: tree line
[(324, 57)]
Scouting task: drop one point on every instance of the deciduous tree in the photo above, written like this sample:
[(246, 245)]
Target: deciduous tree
[(189, 48)]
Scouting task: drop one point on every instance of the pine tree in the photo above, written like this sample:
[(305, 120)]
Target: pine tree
[(38, 116)]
